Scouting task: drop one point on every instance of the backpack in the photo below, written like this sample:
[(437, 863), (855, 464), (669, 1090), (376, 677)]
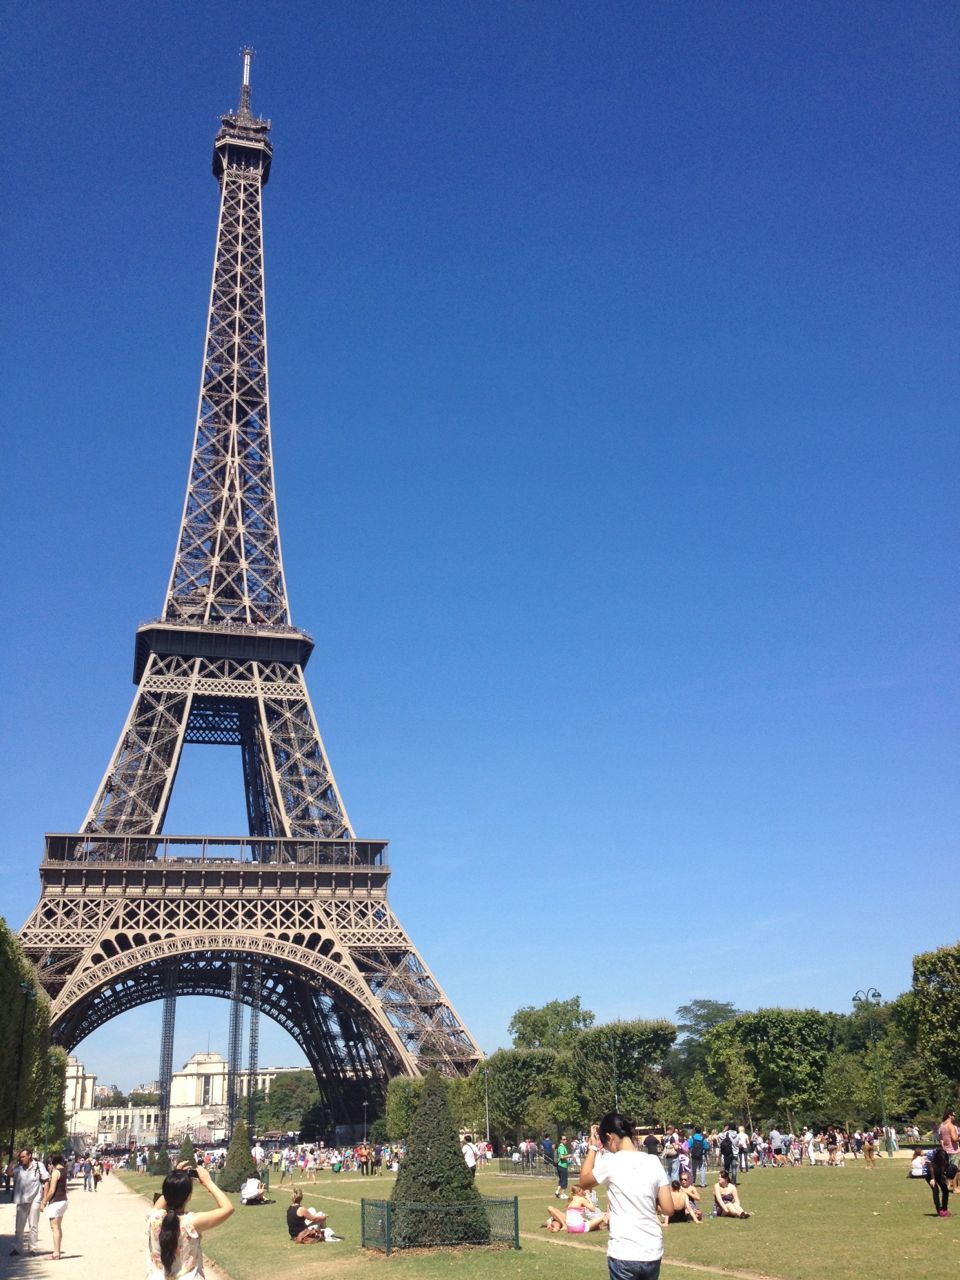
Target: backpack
[(726, 1145), (697, 1144)]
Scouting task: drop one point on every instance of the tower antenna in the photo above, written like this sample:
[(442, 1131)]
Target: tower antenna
[(247, 55)]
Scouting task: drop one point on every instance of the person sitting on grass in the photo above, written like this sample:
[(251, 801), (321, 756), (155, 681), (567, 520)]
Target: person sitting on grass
[(693, 1197), (726, 1198), (306, 1226), (918, 1165), (579, 1216), (252, 1192), (683, 1210)]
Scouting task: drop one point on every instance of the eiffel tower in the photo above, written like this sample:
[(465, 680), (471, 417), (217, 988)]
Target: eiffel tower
[(291, 919)]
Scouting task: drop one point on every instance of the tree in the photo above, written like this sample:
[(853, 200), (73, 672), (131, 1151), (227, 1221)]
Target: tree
[(936, 1011), (187, 1155), (552, 1026), (775, 1058), (158, 1165), (703, 1105), (433, 1176), (694, 1021), (24, 1039), (844, 1087), (465, 1096), (291, 1096), (617, 1067), (239, 1162), (736, 1077), (668, 1103), (140, 1099), (698, 1017), (402, 1097), (515, 1078), (378, 1130)]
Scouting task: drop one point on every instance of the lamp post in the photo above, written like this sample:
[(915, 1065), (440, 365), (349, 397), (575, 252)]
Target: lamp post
[(28, 995), (486, 1100), (613, 1061), (365, 1105), (871, 999)]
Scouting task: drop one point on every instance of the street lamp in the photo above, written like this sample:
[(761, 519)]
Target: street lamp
[(365, 1105), (486, 1100), (28, 995), (871, 999)]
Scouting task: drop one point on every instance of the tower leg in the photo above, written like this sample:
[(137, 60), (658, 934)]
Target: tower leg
[(253, 1053), (165, 1073), (235, 1050)]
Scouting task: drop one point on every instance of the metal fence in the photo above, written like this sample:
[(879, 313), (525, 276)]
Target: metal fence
[(385, 1226), (535, 1169)]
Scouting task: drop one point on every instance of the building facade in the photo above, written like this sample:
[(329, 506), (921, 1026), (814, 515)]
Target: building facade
[(198, 1105)]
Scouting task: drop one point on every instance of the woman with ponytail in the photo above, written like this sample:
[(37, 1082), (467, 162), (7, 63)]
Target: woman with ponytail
[(636, 1188), (173, 1236)]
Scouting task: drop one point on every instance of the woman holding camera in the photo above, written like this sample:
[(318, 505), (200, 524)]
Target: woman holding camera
[(637, 1187), (173, 1236)]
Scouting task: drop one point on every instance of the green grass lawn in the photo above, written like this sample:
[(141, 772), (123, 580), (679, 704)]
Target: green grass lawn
[(844, 1224)]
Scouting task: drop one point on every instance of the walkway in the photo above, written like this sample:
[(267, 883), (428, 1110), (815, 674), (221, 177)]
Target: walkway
[(103, 1237)]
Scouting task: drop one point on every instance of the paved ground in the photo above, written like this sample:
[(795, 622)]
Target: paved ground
[(103, 1238)]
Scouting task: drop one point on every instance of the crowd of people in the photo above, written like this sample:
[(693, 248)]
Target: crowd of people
[(652, 1181)]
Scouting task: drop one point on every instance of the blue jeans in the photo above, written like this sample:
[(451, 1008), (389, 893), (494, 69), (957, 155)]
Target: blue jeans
[(633, 1270)]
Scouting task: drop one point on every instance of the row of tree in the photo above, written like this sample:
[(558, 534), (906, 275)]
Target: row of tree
[(899, 1059), (32, 1071)]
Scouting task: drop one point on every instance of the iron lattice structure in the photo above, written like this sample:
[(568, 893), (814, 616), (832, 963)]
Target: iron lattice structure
[(294, 921)]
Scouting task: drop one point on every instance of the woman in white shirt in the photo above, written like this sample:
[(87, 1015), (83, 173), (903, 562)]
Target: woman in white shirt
[(637, 1187)]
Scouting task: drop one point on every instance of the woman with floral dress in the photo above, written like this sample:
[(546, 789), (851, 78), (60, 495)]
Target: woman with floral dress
[(173, 1236)]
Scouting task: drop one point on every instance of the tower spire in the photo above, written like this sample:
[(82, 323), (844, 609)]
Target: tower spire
[(247, 55)]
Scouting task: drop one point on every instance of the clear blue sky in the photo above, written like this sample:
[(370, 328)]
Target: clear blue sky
[(613, 366)]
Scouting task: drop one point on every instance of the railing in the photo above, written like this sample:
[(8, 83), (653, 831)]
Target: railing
[(386, 1226), (231, 626), (255, 850)]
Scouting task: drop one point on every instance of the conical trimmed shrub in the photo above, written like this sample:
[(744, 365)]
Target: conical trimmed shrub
[(435, 1199), (239, 1162), (158, 1164), (186, 1154)]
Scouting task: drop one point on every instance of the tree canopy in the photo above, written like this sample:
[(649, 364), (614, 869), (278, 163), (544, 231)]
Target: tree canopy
[(554, 1025)]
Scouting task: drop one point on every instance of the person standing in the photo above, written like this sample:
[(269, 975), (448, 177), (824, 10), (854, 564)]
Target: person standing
[(563, 1169), (938, 1168), (469, 1153), (743, 1149), (28, 1175), (637, 1186), (728, 1152), (698, 1163), (173, 1236), (948, 1133), (54, 1202)]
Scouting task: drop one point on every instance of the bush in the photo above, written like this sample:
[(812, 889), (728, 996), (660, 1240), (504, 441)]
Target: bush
[(159, 1163), (434, 1175), (186, 1154), (239, 1163)]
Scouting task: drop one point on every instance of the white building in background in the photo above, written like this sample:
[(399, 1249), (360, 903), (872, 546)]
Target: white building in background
[(198, 1104)]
